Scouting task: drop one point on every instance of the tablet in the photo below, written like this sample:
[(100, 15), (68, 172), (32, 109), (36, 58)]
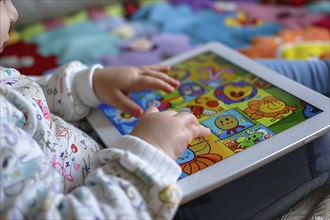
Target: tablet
[(255, 115)]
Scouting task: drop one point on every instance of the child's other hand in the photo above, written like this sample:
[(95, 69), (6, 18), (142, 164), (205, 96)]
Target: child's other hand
[(113, 84), (169, 131)]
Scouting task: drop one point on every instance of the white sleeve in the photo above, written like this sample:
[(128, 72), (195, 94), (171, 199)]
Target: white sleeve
[(69, 91)]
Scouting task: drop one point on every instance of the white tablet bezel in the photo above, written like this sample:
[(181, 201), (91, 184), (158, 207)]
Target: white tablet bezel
[(250, 159)]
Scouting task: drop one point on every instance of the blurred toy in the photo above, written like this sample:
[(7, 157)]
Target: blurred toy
[(196, 5), (288, 2), (242, 19), (324, 22), (148, 50), (302, 44), (130, 7)]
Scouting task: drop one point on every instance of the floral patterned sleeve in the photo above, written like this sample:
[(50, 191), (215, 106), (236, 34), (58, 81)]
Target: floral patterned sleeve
[(69, 91), (132, 180), (123, 187)]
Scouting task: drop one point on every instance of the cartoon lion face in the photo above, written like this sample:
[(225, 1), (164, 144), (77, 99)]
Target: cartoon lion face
[(269, 106), (272, 106)]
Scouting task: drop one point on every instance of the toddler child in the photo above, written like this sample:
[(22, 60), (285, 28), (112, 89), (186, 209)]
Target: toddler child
[(52, 170)]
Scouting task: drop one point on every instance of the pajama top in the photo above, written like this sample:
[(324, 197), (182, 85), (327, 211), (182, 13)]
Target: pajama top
[(52, 170)]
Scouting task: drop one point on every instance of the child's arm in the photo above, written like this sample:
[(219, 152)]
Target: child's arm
[(132, 180), (69, 92)]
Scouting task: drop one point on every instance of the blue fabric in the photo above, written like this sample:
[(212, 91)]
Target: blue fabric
[(319, 7), (139, 29), (313, 74), (84, 40), (203, 25)]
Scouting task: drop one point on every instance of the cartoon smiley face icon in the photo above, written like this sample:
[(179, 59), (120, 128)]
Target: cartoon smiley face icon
[(235, 92), (226, 122), (272, 106), (191, 89)]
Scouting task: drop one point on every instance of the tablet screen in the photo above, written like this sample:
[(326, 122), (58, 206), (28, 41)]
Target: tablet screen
[(240, 108)]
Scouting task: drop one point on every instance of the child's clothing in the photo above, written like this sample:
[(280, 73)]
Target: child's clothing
[(45, 159)]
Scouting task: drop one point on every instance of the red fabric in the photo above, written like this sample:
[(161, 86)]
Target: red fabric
[(25, 58), (324, 22)]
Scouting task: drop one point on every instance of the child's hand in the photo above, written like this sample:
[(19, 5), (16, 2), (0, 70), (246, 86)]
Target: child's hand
[(169, 131), (113, 84)]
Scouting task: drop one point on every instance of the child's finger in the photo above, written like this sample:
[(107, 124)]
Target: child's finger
[(197, 129), (157, 67), (151, 83), (187, 117), (162, 76), (126, 104), (150, 110), (170, 112), (203, 131)]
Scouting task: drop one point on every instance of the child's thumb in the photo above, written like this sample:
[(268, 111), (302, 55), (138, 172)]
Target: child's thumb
[(150, 110)]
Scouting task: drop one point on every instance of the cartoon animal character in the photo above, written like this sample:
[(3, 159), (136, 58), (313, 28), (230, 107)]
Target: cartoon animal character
[(216, 78), (200, 146), (187, 91), (179, 73), (191, 89), (167, 101), (198, 108), (197, 156), (252, 139), (228, 123), (235, 92), (270, 107), (309, 110), (233, 145), (198, 111)]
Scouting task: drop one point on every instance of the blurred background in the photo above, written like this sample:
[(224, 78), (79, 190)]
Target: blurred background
[(130, 32)]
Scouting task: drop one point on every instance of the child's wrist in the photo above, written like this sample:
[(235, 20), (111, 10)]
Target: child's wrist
[(84, 86), (156, 158)]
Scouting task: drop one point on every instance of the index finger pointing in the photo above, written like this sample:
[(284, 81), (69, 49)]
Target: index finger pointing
[(187, 117), (203, 131)]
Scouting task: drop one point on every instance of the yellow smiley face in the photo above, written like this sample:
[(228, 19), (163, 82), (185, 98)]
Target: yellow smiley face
[(271, 107), (237, 92)]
